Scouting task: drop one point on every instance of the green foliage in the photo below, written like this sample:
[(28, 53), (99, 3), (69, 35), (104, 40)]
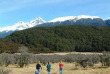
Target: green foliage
[(64, 38)]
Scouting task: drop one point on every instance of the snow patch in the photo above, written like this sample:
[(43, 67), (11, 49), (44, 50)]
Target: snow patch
[(62, 19), (75, 18)]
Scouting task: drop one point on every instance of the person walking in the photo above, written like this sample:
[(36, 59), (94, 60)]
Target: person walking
[(38, 67), (61, 67), (49, 68)]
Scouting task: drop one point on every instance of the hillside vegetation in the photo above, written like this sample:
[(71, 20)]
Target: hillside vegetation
[(64, 38), (8, 47)]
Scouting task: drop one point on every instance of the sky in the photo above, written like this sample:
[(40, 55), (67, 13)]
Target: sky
[(12, 11)]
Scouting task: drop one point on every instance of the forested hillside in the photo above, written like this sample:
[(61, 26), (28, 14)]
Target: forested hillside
[(64, 38), (8, 47)]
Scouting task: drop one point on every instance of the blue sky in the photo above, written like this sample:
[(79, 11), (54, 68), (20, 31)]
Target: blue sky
[(12, 11)]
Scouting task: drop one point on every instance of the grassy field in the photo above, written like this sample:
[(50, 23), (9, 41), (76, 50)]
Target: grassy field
[(69, 68)]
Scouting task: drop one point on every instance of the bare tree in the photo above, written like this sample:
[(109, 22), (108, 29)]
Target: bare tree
[(23, 49)]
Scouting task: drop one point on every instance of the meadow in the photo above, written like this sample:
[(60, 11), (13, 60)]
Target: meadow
[(69, 68), (74, 63)]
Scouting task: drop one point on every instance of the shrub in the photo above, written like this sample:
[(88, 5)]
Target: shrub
[(24, 58), (83, 62), (2, 71), (105, 59), (6, 59)]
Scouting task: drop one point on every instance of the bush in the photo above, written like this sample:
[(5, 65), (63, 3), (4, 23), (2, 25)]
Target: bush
[(2, 71), (83, 62), (24, 58), (6, 59), (105, 59)]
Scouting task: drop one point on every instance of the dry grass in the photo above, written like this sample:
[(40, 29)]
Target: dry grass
[(64, 53), (69, 68)]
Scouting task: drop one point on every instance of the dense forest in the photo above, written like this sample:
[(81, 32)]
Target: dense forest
[(63, 38)]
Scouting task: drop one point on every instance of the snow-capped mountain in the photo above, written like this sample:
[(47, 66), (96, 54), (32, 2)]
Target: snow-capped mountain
[(75, 18), (20, 26), (68, 20)]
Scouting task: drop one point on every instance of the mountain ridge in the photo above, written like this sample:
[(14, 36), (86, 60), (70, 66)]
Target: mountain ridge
[(68, 20)]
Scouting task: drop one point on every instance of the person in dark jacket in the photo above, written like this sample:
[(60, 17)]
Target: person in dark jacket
[(49, 68), (38, 67)]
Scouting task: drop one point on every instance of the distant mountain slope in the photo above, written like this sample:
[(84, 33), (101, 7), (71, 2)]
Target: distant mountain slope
[(108, 22), (4, 34), (64, 38)]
